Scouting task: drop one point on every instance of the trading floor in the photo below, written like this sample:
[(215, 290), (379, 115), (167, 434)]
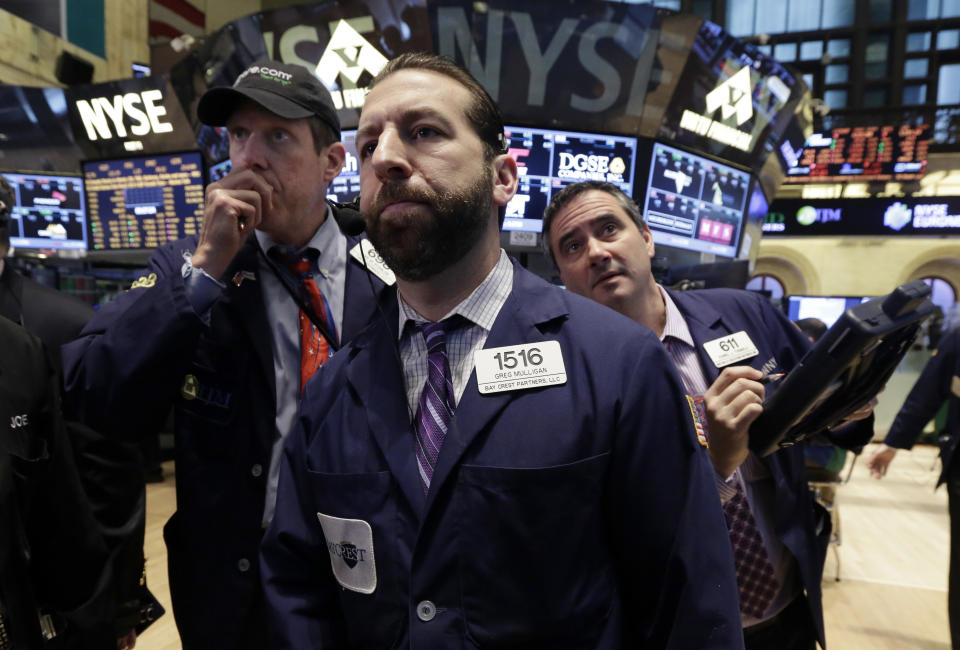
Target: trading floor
[(895, 540)]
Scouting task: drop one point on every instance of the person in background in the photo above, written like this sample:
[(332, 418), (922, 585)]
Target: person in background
[(109, 470), (939, 382), (485, 466), (602, 248), (226, 329), (54, 561)]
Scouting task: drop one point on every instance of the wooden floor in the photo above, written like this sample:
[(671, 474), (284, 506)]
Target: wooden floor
[(894, 556)]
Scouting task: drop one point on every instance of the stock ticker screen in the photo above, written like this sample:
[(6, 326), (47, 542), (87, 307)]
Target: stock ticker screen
[(548, 159), (143, 202), (48, 212), (695, 203)]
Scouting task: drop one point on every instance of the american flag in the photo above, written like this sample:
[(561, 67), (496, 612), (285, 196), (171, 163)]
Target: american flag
[(171, 18)]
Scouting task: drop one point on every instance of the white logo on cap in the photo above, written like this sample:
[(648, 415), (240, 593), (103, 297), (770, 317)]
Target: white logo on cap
[(264, 72)]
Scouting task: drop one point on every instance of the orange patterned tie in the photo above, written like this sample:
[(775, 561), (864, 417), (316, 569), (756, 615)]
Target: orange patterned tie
[(314, 348)]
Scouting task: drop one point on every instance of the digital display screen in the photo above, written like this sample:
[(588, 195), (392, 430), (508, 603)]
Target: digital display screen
[(877, 153), (826, 308), (219, 170), (144, 201), (548, 160), (48, 212), (694, 203), (732, 100), (890, 217), (346, 187)]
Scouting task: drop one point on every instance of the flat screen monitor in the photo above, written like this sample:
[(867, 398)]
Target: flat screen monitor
[(48, 212), (548, 160), (826, 308), (344, 188), (143, 202), (694, 203)]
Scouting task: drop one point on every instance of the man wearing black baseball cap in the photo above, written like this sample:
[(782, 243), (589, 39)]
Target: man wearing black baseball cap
[(221, 330)]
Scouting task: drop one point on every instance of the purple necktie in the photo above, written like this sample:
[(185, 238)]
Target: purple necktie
[(435, 410), (756, 581)]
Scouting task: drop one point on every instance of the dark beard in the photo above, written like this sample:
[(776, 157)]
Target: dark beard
[(419, 248)]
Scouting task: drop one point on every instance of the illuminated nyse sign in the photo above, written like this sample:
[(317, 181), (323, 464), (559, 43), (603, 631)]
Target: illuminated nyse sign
[(346, 58), (875, 217), (144, 110), (732, 97)]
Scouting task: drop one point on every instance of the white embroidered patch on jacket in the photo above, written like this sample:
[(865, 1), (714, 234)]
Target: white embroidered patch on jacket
[(350, 544)]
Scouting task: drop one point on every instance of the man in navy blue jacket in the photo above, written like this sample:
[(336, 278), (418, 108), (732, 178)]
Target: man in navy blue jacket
[(602, 248), (938, 383), (493, 470), (212, 331)]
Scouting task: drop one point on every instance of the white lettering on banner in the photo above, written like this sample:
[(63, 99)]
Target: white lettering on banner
[(934, 215), (95, 113)]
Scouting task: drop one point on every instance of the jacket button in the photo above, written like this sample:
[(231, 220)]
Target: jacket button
[(256, 470), (426, 610), (243, 564)]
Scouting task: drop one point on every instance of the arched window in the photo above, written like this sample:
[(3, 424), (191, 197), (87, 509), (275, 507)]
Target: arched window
[(767, 284), (943, 295)]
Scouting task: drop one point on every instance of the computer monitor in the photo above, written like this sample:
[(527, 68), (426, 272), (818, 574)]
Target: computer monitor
[(217, 171), (549, 159), (143, 202), (48, 212), (694, 203), (826, 308)]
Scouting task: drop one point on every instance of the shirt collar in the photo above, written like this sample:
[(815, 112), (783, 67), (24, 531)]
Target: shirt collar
[(480, 307), (322, 240), (676, 325)]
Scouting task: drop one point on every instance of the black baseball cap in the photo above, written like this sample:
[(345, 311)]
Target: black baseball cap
[(285, 89)]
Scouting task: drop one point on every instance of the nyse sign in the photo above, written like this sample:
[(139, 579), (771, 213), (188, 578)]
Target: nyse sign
[(106, 117), (530, 55)]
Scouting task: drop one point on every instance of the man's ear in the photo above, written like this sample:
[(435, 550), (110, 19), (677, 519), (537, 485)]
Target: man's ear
[(505, 179), (334, 155)]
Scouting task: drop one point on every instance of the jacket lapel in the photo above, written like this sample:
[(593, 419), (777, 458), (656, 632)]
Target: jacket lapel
[(374, 373), (528, 306), (705, 324), (359, 297), (243, 301)]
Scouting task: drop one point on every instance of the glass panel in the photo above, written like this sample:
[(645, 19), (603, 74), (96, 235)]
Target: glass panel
[(950, 9), (811, 50), (916, 94), (918, 42), (703, 8), (880, 11), (740, 17), (668, 4), (771, 17), (785, 52), (837, 13), (914, 68), (948, 39), (875, 97), (875, 66), (838, 47), (835, 98), (948, 84), (922, 9), (766, 49), (837, 74), (804, 15), (808, 79)]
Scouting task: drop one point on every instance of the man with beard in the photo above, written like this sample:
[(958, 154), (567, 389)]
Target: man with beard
[(227, 329), (485, 466)]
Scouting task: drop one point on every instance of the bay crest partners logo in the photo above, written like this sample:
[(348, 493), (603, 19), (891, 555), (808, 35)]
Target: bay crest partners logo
[(733, 97), (349, 62)]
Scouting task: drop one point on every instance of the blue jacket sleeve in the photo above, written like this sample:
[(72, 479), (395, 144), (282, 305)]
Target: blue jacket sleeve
[(667, 529), (927, 395), (123, 372)]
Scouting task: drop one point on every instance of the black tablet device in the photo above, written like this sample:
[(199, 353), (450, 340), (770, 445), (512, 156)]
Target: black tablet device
[(844, 370)]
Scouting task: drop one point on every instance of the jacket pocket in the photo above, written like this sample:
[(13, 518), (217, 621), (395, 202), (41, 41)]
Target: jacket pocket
[(536, 569)]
